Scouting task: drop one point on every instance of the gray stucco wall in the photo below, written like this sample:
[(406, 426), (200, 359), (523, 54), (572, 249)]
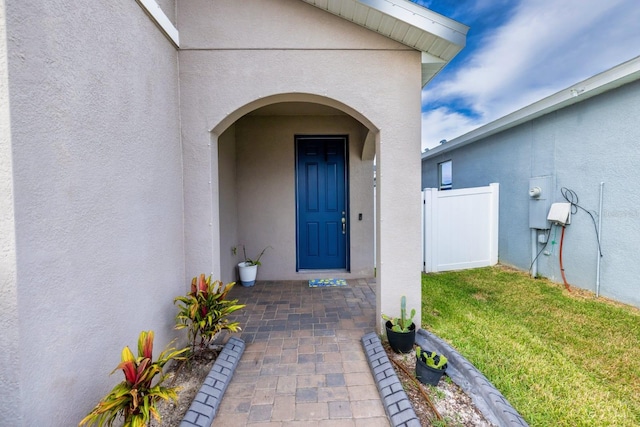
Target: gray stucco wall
[(581, 146), (479, 165), (97, 184)]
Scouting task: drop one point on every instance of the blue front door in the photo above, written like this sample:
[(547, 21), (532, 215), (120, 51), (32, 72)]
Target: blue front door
[(321, 211)]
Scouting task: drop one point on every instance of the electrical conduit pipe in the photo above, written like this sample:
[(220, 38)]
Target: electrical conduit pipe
[(599, 240)]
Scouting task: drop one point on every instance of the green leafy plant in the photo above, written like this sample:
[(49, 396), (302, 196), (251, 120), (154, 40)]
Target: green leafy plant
[(205, 309), (255, 261), (432, 359), (402, 323), (135, 398)]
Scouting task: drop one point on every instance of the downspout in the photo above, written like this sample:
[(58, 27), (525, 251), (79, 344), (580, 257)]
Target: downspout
[(534, 251)]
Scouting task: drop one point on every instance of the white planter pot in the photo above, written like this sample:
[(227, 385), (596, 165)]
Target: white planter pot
[(248, 273)]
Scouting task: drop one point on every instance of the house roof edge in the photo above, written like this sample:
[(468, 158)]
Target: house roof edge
[(605, 81), (439, 38)]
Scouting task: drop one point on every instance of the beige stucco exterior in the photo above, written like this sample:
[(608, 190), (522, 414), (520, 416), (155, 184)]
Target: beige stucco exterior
[(265, 193), (9, 336), (94, 168), (257, 194), (269, 52), (129, 165)]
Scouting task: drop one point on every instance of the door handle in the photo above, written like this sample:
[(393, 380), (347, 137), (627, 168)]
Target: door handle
[(344, 225)]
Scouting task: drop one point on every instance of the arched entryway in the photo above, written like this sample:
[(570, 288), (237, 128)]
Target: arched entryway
[(258, 194)]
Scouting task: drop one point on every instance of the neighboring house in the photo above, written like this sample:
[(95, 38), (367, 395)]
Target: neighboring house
[(584, 138), (145, 143)]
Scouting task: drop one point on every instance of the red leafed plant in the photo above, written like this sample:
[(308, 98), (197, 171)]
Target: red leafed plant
[(136, 397), (205, 309)]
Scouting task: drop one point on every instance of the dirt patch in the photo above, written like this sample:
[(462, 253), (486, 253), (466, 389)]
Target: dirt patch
[(450, 406), (480, 296), (188, 375)]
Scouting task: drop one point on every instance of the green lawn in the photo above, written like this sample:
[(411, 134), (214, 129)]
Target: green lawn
[(561, 359)]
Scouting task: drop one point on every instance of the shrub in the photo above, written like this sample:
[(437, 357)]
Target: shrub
[(205, 309), (136, 397)]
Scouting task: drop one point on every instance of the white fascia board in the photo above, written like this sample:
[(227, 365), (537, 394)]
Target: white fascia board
[(161, 20), (451, 35), (620, 75), (422, 18)]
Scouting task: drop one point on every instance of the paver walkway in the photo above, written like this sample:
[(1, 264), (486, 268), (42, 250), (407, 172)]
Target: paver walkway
[(303, 363)]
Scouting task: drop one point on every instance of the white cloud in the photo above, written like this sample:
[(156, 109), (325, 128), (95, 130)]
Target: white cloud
[(443, 123), (546, 46)]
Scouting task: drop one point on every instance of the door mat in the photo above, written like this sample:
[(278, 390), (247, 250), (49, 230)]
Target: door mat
[(320, 283)]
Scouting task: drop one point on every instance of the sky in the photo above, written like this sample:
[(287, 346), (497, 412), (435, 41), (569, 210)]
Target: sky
[(519, 52)]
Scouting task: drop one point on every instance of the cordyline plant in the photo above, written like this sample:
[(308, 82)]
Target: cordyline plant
[(205, 309), (135, 398)]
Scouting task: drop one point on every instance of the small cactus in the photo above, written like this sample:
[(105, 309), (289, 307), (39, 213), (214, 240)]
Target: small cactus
[(431, 358), (402, 323)]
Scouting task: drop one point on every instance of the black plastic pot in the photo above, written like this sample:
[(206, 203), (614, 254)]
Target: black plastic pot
[(428, 375), (401, 342)]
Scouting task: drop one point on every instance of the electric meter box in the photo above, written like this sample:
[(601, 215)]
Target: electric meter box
[(540, 189)]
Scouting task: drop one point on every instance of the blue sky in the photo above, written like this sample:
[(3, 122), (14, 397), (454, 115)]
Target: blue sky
[(520, 51)]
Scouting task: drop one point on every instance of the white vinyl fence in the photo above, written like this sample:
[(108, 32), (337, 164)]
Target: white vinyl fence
[(460, 228)]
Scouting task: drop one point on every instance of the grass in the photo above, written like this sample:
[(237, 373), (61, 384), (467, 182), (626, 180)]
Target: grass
[(560, 358)]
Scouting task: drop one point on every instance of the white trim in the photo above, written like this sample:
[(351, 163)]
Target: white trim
[(161, 20), (438, 37), (622, 74), (422, 18)]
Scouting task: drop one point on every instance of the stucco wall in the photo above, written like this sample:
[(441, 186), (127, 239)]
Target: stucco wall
[(97, 179), (580, 146), (9, 336), (169, 9), (266, 190), (273, 24), (227, 183), (271, 51)]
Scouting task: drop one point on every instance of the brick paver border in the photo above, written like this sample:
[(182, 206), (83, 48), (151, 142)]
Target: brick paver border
[(205, 405), (493, 405), (396, 402)]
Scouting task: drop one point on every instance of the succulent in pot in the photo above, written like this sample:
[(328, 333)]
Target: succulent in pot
[(430, 366), (401, 331)]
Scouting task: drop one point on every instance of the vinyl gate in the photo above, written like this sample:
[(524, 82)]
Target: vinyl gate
[(460, 228)]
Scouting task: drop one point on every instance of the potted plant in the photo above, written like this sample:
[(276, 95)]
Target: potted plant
[(401, 331), (430, 366), (249, 268)]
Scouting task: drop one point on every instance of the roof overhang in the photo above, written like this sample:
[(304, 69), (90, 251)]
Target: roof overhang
[(437, 37), (617, 76)]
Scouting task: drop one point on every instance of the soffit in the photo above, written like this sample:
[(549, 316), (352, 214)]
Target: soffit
[(438, 37)]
